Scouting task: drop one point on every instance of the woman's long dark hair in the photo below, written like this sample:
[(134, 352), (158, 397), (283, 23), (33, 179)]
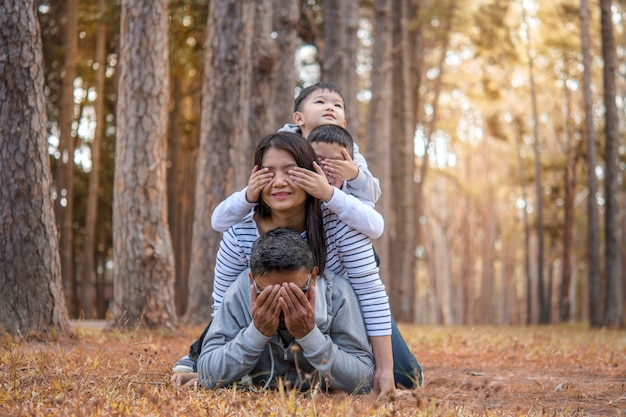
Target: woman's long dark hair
[(304, 155)]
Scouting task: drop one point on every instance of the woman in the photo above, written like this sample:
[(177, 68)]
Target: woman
[(335, 246)]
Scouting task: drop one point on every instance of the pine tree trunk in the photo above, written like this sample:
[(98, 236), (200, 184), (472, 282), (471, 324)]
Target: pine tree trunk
[(544, 307), (221, 146), (488, 264), (612, 246), (286, 21), (441, 259), (181, 176), (568, 221), (65, 168), (402, 221), (522, 179), (261, 90), (144, 264), (378, 141), (338, 55), (31, 293), (88, 291), (593, 222), (467, 269)]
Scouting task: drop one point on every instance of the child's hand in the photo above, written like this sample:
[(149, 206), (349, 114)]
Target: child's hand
[(345, 170), (259, 178), (314, 183)]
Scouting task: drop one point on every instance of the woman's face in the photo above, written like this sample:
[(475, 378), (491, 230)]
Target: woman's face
[(281, 194)]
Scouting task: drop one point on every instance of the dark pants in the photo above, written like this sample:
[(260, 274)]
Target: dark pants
[(406, 369)]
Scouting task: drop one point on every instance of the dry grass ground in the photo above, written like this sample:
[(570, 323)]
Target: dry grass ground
[(482, 371)]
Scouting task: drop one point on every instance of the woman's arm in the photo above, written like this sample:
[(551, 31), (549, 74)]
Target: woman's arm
[(384, 380), (351, 253), (232, 257)]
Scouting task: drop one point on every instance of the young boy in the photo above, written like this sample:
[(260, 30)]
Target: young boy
[(317, 105), (335, 149), (322, 104)]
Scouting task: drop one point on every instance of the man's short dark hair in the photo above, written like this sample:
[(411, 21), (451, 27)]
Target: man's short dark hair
[(297, 104), (280, 250), (333, 134)]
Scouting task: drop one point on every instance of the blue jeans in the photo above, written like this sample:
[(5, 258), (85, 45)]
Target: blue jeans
[(406, 369)]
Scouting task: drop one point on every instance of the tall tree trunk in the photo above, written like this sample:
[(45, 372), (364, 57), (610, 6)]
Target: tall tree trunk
[(544, 305), (571, 151), (286, 21), (441, 258), (31, 293), (88, 294), (468, 254), (338, 55), (402, 221), (183, 138), (144, 263), (263, 58), (593, 222), (174, 139), (221, 147), (65, 168), (612, 246), (102, 301), (488, 263), (522, 180), (379, 124)]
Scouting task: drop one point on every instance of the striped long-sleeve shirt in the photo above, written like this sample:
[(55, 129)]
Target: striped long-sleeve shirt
[(348, 253)]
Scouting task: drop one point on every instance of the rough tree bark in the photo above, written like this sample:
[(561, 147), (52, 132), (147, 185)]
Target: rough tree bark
[(144, 263), (31, 294)]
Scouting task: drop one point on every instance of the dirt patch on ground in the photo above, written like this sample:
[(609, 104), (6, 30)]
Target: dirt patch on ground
[(566, 370), (531, 371)]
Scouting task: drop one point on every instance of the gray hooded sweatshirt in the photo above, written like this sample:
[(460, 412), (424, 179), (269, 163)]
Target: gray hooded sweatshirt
[(336, 353)]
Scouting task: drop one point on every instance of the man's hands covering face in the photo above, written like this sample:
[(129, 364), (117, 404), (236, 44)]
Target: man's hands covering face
[(266, 309), (298, 309)]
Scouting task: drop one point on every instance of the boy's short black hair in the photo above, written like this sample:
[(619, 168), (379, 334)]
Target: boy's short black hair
[(310, 89), (333, 134)]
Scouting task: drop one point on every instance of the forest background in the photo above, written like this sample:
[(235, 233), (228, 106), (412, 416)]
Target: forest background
[(487, 123)]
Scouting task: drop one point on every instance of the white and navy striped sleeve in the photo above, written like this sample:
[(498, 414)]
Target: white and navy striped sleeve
[(350, 253), (233, 257)]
